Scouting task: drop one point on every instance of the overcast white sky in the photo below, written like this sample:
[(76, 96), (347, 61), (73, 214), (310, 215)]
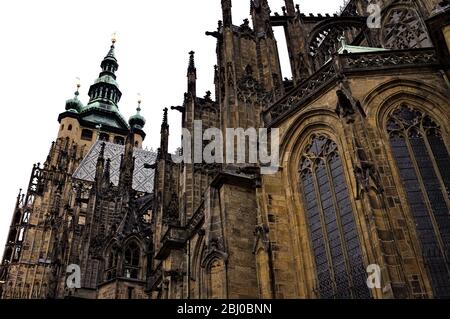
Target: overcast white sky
[(46, 44)]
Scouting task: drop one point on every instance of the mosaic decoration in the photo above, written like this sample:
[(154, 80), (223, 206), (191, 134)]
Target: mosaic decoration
[(142, 177)]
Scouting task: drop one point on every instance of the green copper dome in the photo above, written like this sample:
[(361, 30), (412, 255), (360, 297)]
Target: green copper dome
[(104, 96), (74, 104), (137, 120), (73, 111)]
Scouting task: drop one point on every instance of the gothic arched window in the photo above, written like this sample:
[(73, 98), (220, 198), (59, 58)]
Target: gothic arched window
[(332, 227), (111, 269), (132, 260), (424, 166), (403, 28)]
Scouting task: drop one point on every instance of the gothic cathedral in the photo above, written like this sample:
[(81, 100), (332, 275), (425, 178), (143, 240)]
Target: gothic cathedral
[(362, 184)]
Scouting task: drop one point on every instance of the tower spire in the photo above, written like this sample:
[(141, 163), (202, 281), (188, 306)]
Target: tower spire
[(100, 165), (75, 104), (105, 90), (127, 164), (192, 75), (137, 121), (260, 12), (290, 8), (165, 123), (164, 147), (226, 12)]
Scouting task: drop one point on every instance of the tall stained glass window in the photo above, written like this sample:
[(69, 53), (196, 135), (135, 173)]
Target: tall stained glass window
[(332, 227), (424, 166)]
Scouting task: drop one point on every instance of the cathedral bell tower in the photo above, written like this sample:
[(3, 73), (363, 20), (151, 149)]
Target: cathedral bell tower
[(100, 118)]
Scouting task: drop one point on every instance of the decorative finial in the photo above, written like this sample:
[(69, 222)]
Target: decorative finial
[(114, 38), (99, 130), (191, 60), (343, 42), (78, 84), (165, 116), (102, 150), (139, 102)]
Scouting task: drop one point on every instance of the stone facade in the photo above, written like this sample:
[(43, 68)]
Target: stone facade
[(88, 205), (363, 177)]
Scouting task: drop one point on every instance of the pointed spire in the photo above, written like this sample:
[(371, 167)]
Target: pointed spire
[(105, 89), (127, 164), (290, 8), (191, 62), (226, 12), (107, 173), (137, 121), (164, 147), (75, 104), (111, 53), (100, 164), (109, 64), (260, 12), (165, 117), (192, 75), (102, 151)]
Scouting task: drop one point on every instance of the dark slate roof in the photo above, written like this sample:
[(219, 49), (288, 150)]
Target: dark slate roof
[(142, 177)]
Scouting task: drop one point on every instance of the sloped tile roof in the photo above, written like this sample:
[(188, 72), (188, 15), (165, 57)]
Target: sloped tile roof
[(142, 177)]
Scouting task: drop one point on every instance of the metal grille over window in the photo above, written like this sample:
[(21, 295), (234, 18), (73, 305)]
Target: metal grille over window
[(424, 166), (332, 227)]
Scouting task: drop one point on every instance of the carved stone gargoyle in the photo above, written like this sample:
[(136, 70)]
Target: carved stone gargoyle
[(366, 173), (172, 212), (344, 107), (261, 234)]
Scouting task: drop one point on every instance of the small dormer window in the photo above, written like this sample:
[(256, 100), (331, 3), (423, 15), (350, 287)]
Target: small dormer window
[(104, 137), (119, 140), (86, 135)]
